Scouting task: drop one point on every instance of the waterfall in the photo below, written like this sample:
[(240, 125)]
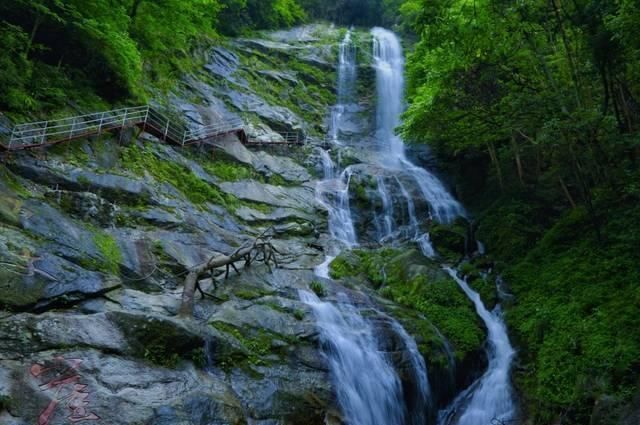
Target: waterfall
[(333, 191), (389, 66), (367, 386), (423, 389), (490, 398), (347, 77), (387, 225)]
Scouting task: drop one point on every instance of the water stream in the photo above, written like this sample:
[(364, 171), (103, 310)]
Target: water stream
[(349, 339), (367, 386), (491, 397)]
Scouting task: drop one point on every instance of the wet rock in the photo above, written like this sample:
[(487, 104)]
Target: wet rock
[(139, 393), (302, 198), (87, 206), (223, 63), (58, 175), (69, 239), (295, 229), (278, 215), (277, 117), (267, 164)]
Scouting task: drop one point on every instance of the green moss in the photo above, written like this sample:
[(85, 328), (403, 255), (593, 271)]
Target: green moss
[(156, 353), (258, 206), (410, 280), (110, 251), (199, 358), (257, 342), (5, 402), (73, 152), (10, 180), (227, 170), (142, 159), (248, 294)]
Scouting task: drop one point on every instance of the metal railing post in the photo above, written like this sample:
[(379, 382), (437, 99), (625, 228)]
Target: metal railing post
[(13, 132), (124, 117), (146, 117), (44, 132), (73, 127), (100, 124), (166, 130)]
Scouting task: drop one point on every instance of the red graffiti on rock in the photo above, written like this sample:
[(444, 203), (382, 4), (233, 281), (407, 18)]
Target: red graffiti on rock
[(60, 377)]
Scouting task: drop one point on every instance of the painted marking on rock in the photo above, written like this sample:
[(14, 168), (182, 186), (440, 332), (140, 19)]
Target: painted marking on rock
[(61, 379)]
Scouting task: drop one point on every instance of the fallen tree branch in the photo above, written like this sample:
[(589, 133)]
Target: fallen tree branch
[(247, 252)]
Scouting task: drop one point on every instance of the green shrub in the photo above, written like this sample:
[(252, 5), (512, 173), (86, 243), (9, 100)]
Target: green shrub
[(318, 288)]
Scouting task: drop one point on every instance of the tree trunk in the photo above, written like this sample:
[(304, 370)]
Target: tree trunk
[(188, 294), (32, 37), (494, 159), (565, 189), (245, 252), (134, 9), (516, 152)]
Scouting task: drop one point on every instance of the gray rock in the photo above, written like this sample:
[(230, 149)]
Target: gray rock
[(278, 215), (302, 198), (277, 117), (223, 62), (57, 174), (267, 164)]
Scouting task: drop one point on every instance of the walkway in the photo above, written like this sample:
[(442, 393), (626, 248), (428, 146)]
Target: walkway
[(44, 133)]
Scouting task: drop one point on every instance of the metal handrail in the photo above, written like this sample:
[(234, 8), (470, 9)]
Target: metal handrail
[(41, 133)]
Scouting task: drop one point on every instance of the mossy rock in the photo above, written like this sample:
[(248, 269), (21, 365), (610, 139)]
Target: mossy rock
[(158, 340), (449, 240), (411, 280)]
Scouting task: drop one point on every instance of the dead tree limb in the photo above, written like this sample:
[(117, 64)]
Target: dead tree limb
[(261, 245)]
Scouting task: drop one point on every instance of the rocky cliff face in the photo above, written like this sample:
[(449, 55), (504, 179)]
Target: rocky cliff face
[(95, 237)]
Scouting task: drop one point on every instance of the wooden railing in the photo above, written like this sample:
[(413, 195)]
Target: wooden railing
[(43, 133)]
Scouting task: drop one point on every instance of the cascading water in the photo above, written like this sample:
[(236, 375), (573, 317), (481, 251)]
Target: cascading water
[(333, 192), (389, 66), (348, 339), (347, 76), (490, 399), (386, 223), (351, 348)]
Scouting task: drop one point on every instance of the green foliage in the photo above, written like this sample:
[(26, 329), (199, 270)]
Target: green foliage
[(57, 50), (534, 105), (577, 315), (318, 288)]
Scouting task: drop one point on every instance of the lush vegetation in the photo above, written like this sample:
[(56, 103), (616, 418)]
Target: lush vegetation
[(534, 107), (413, 281), (87, 54)]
